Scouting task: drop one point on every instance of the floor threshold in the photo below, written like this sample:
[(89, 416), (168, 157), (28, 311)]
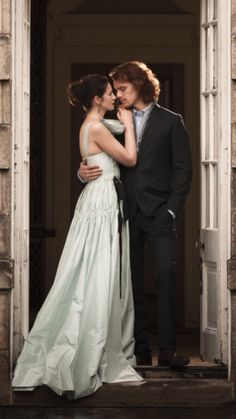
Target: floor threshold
[(155, 392), (216, 372)]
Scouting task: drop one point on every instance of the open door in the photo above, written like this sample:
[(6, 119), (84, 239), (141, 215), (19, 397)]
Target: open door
[(215, 181)]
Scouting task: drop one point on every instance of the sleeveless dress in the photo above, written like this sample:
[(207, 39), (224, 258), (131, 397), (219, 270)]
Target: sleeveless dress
[(83, 334)]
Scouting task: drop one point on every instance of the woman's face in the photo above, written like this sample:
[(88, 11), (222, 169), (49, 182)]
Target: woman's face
[(108, 99)]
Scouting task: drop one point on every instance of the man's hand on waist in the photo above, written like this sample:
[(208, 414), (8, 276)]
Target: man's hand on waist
[(87, 173)]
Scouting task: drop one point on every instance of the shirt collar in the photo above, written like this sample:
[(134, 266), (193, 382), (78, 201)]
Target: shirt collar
[(144, 109)]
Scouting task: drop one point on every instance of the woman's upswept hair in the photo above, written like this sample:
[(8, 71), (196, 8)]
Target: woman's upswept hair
[(142, 77), (82, 92)]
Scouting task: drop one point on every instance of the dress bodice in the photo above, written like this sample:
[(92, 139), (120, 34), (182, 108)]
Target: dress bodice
[(108, 165)]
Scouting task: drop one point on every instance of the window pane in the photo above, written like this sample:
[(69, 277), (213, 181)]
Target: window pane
[(215, 196), (207, 196)]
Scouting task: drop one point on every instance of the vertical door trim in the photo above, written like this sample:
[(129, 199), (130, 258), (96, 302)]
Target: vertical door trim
[(216, 126), (21, 146)]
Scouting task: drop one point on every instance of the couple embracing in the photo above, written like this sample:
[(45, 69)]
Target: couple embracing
[(92, 326)]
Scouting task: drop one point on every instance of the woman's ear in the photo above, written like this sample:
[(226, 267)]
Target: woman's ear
[(97, 100)]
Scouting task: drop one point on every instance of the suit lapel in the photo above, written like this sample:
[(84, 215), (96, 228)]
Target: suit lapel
[(154, 115)]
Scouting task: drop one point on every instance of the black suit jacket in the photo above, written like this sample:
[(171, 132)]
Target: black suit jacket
[(163, 172)]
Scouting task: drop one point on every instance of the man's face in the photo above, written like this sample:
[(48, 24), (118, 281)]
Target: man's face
[(126, 92)]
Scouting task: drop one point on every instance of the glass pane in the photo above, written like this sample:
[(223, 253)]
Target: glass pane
[(215, 61), (211, 123), (208, 10), (215, 14), (208, 59), (204, 59), (207, 196), (216, 127), (207, 128), (212, 298), (215, 196), (203, 11), (27, 10), (211, 56)]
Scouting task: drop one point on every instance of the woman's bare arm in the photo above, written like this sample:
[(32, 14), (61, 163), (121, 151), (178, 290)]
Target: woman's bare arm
[(127, 154)]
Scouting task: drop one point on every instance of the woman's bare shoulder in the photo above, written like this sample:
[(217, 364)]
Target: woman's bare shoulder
[(98, 128)]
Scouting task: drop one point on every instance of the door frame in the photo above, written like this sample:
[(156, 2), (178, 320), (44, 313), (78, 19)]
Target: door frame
[(217, 127), (68, 44), (62, 33), (20, 172)]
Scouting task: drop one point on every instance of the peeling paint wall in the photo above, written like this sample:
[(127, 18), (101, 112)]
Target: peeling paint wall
[(6, 264)]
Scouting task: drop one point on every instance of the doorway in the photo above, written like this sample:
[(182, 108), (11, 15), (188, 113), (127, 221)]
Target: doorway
[(175, 61), (59, 126)]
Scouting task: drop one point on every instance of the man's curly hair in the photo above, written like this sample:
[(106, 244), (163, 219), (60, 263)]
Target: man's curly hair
[(142, 77)]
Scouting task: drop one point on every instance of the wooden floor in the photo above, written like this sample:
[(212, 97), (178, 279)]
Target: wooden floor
[(188, 343)]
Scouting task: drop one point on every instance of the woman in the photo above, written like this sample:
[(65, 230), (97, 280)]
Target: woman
[(83, 334)]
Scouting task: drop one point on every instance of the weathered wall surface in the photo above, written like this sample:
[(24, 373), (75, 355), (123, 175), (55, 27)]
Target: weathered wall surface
[(6, 265)]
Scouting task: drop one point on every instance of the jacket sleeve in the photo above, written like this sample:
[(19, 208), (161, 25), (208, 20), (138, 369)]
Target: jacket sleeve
[(181, 164)]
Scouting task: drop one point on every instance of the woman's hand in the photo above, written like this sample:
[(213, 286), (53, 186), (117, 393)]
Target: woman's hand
[(88, 173), (125, 116)]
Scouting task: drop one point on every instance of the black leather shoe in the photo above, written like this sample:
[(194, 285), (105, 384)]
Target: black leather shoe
[(168, 358), (143, 359)]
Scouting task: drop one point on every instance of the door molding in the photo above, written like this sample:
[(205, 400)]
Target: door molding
[(216, 174), (20, 162)]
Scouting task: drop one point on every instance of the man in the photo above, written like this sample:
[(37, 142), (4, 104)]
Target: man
[(156, 190)]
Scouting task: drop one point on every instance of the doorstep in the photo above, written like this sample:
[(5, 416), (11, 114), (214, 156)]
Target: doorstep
[(152, 392), (192, 371)]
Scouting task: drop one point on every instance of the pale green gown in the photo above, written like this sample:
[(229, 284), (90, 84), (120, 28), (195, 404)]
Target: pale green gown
[(83, 334)]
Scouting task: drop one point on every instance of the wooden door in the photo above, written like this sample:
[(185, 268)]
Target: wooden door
[(215, 187)]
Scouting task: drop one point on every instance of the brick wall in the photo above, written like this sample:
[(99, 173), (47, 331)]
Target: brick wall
[(6, 265)]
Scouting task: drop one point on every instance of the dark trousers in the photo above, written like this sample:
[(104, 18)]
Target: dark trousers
[(160, 235)]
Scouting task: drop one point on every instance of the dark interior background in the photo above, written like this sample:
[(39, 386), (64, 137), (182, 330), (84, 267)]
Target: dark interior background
[(171, 77)]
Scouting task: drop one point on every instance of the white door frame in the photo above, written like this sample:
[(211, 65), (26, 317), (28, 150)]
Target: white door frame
[(74, 29), (20, 170), (225, 173), (216, 177), (62, 34)]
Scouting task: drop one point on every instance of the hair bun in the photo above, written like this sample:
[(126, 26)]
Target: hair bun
[(81, 92), (76, 92)]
